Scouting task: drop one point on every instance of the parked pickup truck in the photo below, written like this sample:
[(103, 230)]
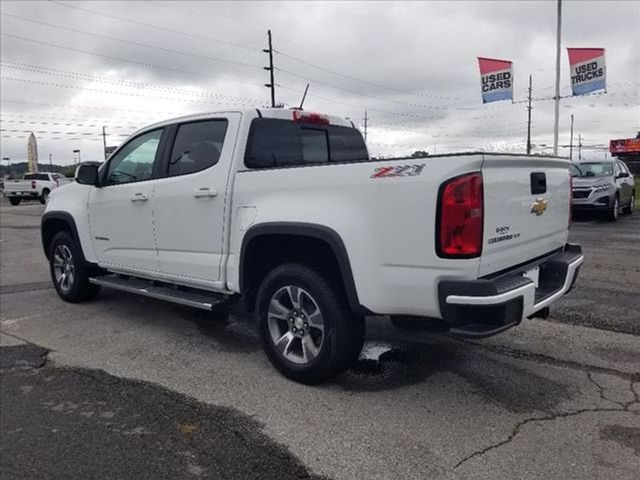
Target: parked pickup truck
[(33, 186), (285, 211)]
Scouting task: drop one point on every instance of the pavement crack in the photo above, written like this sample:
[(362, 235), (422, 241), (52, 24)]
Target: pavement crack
[(527, 421), (584, 367), (601, 392), (635, 392)]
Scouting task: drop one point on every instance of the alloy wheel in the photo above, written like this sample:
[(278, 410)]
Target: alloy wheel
[(296, 324), (63, 268)]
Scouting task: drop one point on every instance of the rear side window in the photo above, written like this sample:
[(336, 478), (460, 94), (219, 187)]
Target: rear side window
[(197, 146), (36, 176), (347, 145), (278, 143)]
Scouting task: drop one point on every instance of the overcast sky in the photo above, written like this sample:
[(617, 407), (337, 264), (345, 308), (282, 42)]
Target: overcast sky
[(70, 67)]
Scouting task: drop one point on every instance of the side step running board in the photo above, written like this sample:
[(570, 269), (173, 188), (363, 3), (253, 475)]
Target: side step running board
[(201, 299)]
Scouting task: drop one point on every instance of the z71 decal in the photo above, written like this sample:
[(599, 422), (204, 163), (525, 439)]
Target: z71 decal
[(398, 171)]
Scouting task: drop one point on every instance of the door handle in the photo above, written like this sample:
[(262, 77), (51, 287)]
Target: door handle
[(205, 192), (139, 197)]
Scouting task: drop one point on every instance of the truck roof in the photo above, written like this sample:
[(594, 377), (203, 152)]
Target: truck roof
[(281, 113)]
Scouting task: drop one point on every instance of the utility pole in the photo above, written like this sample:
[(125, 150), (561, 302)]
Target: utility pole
[(556, 118), (50, 164), (366, 120), (529, 120), (104, 142), (272, 84), (571, 141), (580, 147)]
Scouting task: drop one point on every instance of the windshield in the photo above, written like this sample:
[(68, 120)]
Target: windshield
[(592, 169)]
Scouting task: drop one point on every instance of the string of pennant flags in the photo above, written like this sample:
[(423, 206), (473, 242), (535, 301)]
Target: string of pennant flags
[(587, 73)]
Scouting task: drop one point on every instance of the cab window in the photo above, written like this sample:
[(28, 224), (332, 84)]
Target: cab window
[(134, 162), (197, 146)]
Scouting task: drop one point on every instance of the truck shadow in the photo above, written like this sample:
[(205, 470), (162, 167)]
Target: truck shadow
[(499, 380), (391, 362)]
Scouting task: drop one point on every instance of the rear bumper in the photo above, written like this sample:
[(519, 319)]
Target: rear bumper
[(487, 306), (21, 194)]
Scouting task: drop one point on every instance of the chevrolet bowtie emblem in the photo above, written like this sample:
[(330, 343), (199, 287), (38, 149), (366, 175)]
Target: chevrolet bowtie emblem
[(539, 206)]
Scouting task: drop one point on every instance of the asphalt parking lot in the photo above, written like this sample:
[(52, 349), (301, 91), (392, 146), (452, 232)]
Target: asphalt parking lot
[(126, 387)]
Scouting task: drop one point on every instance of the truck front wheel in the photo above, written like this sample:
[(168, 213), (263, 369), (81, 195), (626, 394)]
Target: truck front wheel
[(69, 274), (14, 201), (307, 330)]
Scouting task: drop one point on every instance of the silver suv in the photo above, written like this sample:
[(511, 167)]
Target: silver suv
[(602, 187)]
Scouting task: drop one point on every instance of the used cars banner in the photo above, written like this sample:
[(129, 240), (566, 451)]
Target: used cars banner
[(497, 79)]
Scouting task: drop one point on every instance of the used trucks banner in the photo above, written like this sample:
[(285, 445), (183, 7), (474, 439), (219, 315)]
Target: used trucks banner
[(588, 72), (497, 79)]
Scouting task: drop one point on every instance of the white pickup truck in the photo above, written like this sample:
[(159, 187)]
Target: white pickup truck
[(33, 186), (285, 211)]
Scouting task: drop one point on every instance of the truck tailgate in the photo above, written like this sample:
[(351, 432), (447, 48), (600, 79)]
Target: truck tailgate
[(526, 209), (18, 186)]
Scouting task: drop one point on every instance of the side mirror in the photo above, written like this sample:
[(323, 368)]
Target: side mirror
[(87, 174), (622, 175)]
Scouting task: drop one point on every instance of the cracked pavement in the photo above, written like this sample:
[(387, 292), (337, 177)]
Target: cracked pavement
[(549, 399)]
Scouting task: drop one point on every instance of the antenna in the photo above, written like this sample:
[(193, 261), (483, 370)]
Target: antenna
[(304, 96)]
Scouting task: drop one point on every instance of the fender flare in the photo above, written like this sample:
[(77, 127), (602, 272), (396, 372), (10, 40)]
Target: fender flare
[(320, 232), (68, 219)]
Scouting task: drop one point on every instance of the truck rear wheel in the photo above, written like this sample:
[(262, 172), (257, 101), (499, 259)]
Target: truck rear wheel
[(14, 201), (69, 274), (45, 196), (307, 330)]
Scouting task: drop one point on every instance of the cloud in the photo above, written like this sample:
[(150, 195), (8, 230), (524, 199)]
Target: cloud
[(411, 65)]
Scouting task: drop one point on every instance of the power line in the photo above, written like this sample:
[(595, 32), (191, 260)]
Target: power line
[(354, 92), (126, 60), (84, 107), (100, 90), (45, 70), (60, 124), (12, 130), (366, 82), (132, 42), (156, 27)]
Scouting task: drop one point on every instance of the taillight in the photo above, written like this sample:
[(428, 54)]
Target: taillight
[(310, 117), (33, 184), (460, 217)]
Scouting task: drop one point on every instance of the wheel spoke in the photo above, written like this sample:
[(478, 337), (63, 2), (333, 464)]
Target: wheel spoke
[(283, 344), (315, 320), (62, 279), (57, 260), (309, 349), (295, 295), (277, 310)]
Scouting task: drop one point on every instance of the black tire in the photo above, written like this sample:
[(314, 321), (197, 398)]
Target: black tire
[(78, 289), (628, 210), (45, 195), (14, 201), (343, 334), (612, 215)]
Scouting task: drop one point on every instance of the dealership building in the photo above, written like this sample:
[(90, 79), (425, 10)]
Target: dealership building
[(627, 150)]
